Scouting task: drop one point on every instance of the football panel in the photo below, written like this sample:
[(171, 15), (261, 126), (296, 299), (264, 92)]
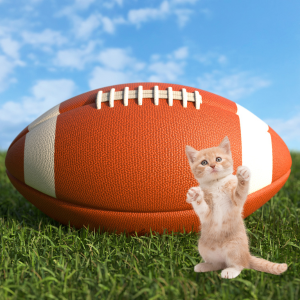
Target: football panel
[(52, 113), (14, 160), (64, 212), (39, 157), (258, 199), (133, 158), (257, 149), (282, 160), (21, 134)]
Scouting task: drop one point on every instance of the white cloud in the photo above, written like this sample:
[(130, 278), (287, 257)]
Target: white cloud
[(207, 12), (30, 6), (75, 58), (102, 77), (233, 87), (10, 26), (7, 66), (211, 57), (84, 28), (110, 58), (83, 4), (167, 8), (78, 5), (289, 130), (87, 26), (170, 68), (47, 37), (166, 71), (155, 57), (137, 16), (6, 69), (222, 59), (45, 95), (109, 25), (180, 53), (10, 47), (10, 60), (183, 16), (111, 3), (118, 66), (184, 1), (118, 59)]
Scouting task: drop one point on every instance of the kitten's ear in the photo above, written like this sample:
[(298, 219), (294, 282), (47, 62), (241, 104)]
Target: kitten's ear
[(225, 144), (191, 154)]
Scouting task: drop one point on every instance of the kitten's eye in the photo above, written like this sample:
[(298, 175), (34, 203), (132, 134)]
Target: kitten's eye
[(219, 159), (204, 162)]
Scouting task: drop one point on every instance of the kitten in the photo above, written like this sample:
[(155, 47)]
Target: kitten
[(218, 202)]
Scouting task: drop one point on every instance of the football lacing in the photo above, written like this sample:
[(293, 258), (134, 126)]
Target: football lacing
[(156, 94)]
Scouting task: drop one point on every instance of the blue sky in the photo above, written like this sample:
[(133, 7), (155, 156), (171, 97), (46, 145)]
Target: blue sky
[(246, 51)]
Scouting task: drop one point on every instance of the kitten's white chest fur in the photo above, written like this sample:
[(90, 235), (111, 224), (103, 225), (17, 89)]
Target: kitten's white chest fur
[(222, 203), (221, 212)]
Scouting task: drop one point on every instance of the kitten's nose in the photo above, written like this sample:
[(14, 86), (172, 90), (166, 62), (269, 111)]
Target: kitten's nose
[(213, 166)]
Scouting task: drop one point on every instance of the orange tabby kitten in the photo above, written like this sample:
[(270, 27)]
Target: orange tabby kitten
[(218, 202)]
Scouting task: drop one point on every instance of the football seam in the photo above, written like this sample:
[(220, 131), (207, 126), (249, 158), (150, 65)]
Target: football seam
[(155, 94), (126, 94)]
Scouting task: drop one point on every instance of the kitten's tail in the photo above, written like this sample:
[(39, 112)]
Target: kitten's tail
[(262, 265)]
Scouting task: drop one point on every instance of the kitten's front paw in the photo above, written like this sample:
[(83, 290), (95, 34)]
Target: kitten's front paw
[(243, 173), (194, 194)]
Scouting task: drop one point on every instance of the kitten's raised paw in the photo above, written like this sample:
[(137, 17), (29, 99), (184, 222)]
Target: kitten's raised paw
[(243, 173), (193, 194)]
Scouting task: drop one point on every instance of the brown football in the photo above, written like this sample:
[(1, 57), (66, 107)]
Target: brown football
[(115, 157)]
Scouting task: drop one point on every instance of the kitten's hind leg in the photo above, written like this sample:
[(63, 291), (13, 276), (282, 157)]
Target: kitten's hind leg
[(207, 267), (230, 273)]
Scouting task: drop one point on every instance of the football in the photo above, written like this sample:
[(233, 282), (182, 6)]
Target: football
[(115, 157)]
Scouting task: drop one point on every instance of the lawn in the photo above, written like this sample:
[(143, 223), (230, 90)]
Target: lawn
[(41, 259)]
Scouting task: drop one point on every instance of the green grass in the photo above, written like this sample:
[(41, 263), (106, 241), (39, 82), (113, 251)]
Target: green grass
[(41, 259)]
